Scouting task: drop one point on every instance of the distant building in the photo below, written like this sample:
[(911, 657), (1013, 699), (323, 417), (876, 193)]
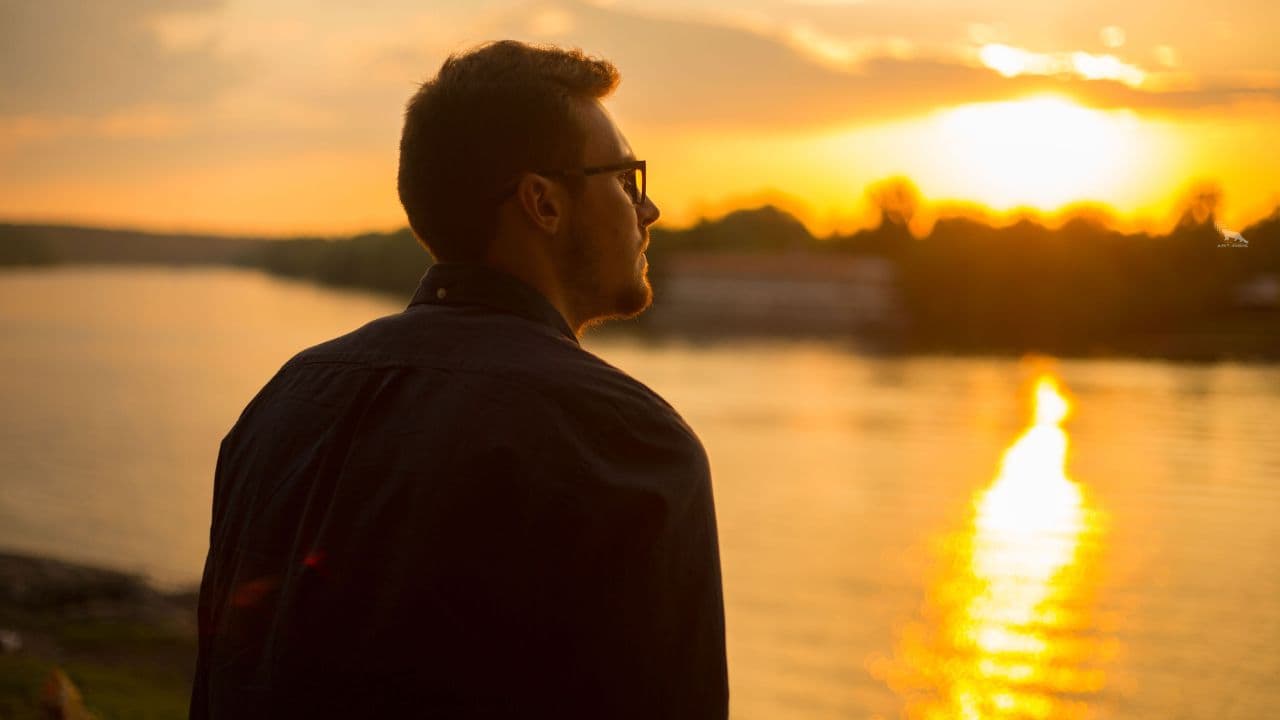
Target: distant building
[(785, 293)]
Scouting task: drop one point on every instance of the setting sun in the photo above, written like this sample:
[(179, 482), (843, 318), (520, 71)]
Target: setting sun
[(1043, 152)]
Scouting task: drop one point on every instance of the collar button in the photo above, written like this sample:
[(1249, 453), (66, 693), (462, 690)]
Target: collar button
[(440, 293)]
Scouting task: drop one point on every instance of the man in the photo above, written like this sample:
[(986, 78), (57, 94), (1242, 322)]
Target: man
[(457, 511)]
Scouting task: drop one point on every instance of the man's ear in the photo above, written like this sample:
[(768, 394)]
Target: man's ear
[(542, 201)]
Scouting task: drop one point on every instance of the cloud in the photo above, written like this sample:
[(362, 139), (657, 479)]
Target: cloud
[(679, 72), (90, 84), (89, 57), (1010, 61), (136, 122)]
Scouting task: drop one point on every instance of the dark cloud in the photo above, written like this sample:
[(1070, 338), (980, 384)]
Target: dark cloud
[(88, 57), (678, 72), (1110, 94)]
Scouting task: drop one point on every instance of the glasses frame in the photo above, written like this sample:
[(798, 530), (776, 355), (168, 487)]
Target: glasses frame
[(599, 169)]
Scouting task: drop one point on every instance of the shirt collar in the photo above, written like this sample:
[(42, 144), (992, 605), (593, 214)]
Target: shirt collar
[(460, 283)]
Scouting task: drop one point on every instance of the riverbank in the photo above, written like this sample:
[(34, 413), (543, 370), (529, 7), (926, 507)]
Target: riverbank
[(127, 648)]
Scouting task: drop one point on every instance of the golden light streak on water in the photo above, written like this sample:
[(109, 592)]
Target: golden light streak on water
[(1006, 632)]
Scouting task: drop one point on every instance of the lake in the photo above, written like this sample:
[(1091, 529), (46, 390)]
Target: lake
[(900, 537)]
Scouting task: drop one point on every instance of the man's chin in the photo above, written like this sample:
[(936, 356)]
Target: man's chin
[(626, 307), (635, 301)]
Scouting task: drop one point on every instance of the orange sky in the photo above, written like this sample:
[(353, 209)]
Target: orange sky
[(283, 116)]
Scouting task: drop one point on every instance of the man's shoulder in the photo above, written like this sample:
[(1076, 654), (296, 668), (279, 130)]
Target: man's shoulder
[(480, 345), (572, 385), (599, 376), (500, 348)]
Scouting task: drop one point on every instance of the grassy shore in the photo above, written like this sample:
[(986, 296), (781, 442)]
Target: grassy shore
[(128, 648)]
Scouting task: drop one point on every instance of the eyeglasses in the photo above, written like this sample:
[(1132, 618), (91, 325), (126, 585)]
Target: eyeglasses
[(632, 174)]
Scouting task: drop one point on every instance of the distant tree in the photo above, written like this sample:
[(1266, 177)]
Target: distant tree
[(16, 249), (1264, 243), (387, 262), (1200, 204), (763, 229), (896, 197)]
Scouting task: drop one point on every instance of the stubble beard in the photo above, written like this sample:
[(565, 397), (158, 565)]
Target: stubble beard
[(587, 266)]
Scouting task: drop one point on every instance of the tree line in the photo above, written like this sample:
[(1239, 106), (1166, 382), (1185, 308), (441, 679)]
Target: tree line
[(966, 286)]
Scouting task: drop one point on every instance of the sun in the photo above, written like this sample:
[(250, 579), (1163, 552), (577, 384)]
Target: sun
[(1044, 152)]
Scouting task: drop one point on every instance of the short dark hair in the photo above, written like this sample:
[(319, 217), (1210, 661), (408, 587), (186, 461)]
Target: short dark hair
[(490, 113)]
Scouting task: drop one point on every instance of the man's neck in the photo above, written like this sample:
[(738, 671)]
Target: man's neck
[(538, 274)]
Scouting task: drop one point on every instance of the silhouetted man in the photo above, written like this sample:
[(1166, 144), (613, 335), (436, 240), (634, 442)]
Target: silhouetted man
[(457, 511)]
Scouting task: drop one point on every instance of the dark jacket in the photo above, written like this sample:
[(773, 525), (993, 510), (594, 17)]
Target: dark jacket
[(458, 512)]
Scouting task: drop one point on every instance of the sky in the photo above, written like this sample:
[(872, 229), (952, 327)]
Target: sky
[(282, 117)]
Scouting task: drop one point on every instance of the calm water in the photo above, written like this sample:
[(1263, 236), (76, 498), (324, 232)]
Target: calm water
[(915, 538)]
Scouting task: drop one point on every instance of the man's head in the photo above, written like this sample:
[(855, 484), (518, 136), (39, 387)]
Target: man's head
[(491, 163)]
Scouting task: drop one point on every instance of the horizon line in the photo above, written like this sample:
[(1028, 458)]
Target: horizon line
[(934, 211)]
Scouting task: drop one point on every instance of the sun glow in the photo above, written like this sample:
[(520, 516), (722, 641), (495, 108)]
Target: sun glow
[(1042, 152), (1032, 493)]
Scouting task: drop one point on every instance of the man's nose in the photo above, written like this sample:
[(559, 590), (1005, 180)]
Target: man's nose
[(648, 212)]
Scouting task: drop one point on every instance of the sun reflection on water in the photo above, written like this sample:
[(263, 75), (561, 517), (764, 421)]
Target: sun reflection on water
[(1007, 632)]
